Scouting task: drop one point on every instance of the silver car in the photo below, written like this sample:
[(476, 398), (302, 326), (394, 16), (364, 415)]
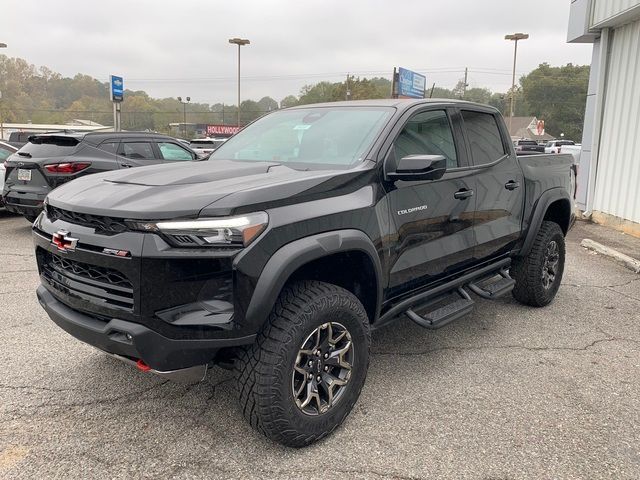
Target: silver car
[(5, 151)]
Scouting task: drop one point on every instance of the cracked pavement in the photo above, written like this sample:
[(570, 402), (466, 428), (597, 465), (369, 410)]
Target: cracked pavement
[(506, 392)]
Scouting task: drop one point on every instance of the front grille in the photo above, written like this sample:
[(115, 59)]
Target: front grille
[(102, 225), (97, 285)]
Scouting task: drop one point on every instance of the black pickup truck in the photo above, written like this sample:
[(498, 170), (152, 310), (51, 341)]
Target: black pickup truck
[(300, 235)]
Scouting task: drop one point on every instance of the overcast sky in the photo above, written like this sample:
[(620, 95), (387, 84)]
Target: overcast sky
[(171, 48)]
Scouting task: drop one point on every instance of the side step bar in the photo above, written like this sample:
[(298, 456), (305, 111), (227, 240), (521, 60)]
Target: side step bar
[(451, 286), (496, 289), (477, 281), (445, 314)]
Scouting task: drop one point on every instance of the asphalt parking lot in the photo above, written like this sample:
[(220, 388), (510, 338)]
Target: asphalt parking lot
[(507, 392)]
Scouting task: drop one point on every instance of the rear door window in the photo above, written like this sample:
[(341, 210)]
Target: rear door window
[(136, 150), (173, 152), (109, 146), (484, 137)]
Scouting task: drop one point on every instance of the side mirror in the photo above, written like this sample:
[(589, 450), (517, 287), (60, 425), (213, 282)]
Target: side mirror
[(419, 167)]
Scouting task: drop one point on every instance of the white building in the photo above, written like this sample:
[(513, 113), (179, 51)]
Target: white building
[(609, 172)]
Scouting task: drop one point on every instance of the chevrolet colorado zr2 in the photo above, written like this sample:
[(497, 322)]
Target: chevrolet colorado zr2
[(300, 235)]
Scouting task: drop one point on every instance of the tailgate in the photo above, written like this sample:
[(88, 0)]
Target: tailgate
[(26, 177), (26, 169)]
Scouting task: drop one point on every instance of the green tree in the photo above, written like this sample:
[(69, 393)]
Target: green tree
[(249, 111), (558, 96), (267, 104), (289, 101)]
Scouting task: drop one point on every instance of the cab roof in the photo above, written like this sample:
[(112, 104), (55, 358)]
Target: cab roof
[(400, 104)]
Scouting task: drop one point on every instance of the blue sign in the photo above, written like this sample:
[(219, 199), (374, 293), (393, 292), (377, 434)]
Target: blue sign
[(411, 84), (116, 89)]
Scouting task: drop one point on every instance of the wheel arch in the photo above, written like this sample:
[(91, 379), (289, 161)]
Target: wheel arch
[(315, 258), (553, 205)]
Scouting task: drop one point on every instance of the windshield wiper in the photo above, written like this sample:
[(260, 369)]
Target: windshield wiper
[(24, 154)]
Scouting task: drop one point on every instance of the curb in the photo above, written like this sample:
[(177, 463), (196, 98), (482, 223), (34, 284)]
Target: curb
[(624, 260)]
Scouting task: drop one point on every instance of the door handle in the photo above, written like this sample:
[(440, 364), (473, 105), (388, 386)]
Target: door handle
[(462, 194), (126, 165), (512, 185)]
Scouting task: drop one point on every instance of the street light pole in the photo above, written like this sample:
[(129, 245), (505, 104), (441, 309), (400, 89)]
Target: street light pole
[(240, 42), (515, 37), (184, 108), (2, 45)]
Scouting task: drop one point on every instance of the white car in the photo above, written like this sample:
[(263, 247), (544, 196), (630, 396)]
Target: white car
[(554, 145), (574, 150), (5, 151), (205, 146)]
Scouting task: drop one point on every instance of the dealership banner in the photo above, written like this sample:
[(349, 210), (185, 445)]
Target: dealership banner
[(222, 130), (410, 84)]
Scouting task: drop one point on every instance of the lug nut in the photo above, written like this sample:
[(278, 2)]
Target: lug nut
[(326, 355), (310, 363), (326, 369), (311, 376), (319, 378), (317, 353)]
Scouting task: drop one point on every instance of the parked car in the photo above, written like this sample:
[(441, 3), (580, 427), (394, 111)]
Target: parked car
[(50, 160), (554, 145), (6, 150), (19, 139), (573, 149), (205, 146), (527, 147), (302, 233)]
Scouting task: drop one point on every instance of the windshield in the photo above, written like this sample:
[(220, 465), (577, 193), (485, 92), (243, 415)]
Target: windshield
[(317, 138), (42, 147)]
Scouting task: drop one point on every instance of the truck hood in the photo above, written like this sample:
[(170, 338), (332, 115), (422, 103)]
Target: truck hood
[(207, 188)]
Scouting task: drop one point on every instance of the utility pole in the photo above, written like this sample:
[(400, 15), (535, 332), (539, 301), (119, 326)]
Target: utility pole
[(1, 119), (240, 42), (348, 92), (394, 83), (466, 84), (2, 45), (515, 38)]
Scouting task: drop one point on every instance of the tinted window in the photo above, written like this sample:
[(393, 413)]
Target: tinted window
[(111, 147), (428, 133), (484, 137), (137, 150), (171, 151), (42, 147), (314, 137), (210, 144), (201, 144)]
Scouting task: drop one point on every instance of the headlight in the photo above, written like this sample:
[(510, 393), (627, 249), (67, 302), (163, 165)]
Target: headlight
[(237, 231)]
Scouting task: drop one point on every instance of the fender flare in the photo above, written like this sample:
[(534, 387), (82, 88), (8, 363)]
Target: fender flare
[(285, 261), (539, 210)]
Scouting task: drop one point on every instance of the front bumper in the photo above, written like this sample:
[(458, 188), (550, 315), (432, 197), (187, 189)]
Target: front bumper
[(170, 308), (133, 341)]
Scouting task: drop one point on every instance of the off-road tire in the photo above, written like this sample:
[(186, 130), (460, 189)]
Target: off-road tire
[(264, 370), (528, 271)]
